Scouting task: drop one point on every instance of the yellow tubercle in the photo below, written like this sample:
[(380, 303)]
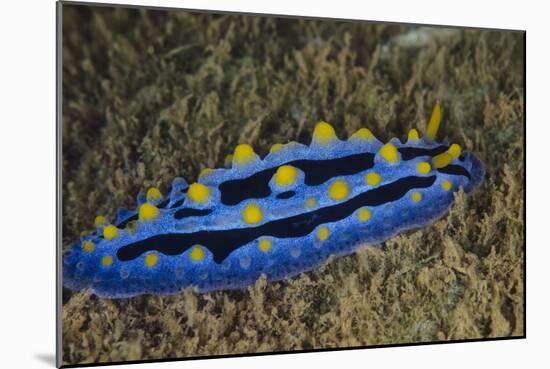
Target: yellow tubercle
[(88, 246), (442, 160), (110, 232), (285, 175), (363, 134), (151, 260), (373, 178), (311, 202), (446, 185), (323, 133), (364, 214), (107, 260), (244, 153), (153, 194), (198, 193), (228, 161), (389, 153), (265, 245), (131, 227), (433, 124), (252, 214), (205, 172), (423, 167), (338, 190), (197, 253), (455, 150), (413, 135), (148, 212), (323, 233), (276, 148), (416, 197), (100, 220)]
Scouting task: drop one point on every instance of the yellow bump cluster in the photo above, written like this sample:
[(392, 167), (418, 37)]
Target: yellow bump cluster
[(416, 196), (323, 233), (442, 160), (197, 253), (88, 246), (446, 185), (373, 178), (364, 214), (413, 135), (323, 133), (244, 153), (148, 212), (110, 232), (151, 260), (455, 150), (389, 153), (198, 192), (363, 134), (433, 124), (100, 220), (265, 245), (423, 167), (153, 194), (107, 260), (286, 175), (252, 214), (311, 202), (338, 190)]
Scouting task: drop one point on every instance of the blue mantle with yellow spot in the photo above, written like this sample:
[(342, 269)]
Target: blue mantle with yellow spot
[(279, 216)]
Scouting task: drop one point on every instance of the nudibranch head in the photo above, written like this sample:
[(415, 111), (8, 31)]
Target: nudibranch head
[(278, 216)]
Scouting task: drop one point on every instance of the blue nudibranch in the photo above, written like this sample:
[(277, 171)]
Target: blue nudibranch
[(278, 216)]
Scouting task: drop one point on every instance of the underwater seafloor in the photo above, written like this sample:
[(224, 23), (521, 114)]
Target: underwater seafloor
[(150, 95)]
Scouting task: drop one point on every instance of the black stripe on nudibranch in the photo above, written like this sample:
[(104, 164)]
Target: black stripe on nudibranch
[(123, 223), (177, 204), (456, 170), (408, 153), (286, 195), (190, 212), (254, 187), (320, 171), (221, 243), (316, 172), (163, 204)]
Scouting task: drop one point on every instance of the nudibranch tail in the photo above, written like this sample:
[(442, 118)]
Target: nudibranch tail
[(278, 216)]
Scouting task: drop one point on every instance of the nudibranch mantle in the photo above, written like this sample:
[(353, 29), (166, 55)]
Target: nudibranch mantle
[(278, 216)]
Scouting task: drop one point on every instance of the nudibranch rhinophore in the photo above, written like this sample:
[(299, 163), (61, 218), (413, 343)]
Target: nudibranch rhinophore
[(278, 216)]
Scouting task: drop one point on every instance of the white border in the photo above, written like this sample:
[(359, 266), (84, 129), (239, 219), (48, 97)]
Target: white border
[(27, 154)]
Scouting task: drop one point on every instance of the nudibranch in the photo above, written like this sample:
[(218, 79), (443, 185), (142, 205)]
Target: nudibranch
[(279, 216)]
